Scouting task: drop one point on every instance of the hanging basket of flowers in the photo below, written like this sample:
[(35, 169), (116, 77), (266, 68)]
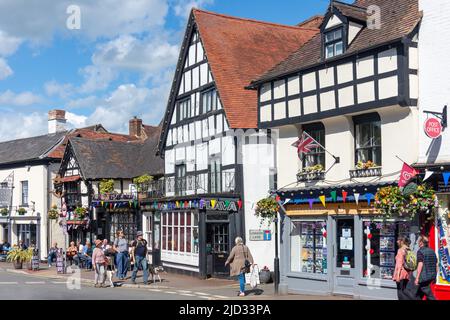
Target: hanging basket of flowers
[(395, 202), (267, 209), (53, 213)]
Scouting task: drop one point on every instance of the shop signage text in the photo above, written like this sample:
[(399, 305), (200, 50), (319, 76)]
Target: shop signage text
[(433, 128), (219, 205), (260, 235)]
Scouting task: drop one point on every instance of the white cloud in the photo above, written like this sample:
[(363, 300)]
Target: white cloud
[(9, 98), (8, 44), (5, 70), (15, 125), (76, 121), (97, 77), (182, 8), (39, 21), (86, 102), (53, 88)]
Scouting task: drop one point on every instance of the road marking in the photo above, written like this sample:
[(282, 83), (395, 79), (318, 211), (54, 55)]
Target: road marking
[(202, 293), (184, 291), (187, 294), (59, 282), (171, 292), (9, 283), (157, 290), (220, 297), (203, 297), (35, 282)]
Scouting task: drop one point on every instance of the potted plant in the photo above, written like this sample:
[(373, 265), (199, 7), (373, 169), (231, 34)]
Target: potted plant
[(315, 172), (53, 213), (18, 256), (80, 213), (366, 165), (265, 275), (267, 209), (4, 212), (142, 182), (106, 186), (21, 211)]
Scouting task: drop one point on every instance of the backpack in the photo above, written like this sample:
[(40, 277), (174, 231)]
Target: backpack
[(410, 263)]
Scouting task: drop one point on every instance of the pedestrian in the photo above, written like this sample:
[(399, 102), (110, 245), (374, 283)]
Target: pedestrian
[(72, 252), (139, 257), (427, 269), (240, 260), (401, 276), (52, 254), (122, 257), (22, 245), (99, 264)]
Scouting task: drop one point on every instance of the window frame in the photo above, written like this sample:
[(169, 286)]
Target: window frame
[(188, 111), (214, 107), (333, 42), (23, 195), (315, 127), (368, 118)]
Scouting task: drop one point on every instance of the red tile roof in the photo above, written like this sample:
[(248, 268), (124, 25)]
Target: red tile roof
[(240, 50)]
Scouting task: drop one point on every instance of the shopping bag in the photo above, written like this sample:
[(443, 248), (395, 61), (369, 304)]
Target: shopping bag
[(252, 278)]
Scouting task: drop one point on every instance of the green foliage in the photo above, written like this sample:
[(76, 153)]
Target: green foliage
[(316, 168), (53, 213), (4, 211), (19, 255), (21, 211), (106, 186), (80, 212), (267, 209), (365, 165), (142, 182), (409, 201)]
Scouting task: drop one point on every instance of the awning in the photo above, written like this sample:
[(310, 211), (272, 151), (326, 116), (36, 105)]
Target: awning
[(70, 179)]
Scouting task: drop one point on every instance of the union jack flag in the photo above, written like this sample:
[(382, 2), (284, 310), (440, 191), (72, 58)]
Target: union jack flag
[(306, 144)]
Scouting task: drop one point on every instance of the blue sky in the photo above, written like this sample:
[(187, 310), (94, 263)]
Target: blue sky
[(118, 64)]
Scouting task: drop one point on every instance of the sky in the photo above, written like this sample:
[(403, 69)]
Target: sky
[(116, 59)]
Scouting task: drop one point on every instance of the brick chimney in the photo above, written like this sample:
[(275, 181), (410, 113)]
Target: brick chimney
[(135, 127), (56, 121)]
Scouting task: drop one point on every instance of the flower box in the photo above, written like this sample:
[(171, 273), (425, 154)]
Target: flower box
[(310, 176), (363, 173)]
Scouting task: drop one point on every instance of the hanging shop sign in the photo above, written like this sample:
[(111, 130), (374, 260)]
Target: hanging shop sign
[(260, 235), (433, 128)]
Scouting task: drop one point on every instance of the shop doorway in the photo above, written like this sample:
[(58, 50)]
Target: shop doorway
[(217, 249), (344, 255)]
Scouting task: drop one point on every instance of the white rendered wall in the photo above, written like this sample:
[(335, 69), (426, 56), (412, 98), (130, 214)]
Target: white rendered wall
[(434, 75), (258, 159)]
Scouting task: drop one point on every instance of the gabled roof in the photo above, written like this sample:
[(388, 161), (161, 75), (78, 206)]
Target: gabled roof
[(238, 50), (29, 149), (107, 159), (351, 11), (399, 18)]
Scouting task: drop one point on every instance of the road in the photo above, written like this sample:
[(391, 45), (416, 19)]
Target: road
[(16, 286)]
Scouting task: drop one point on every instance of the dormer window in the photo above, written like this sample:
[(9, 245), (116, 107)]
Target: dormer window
[(334, 43)]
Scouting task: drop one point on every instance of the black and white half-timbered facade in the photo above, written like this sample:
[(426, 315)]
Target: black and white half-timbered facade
[(354, 89), (208, 195), (90, 211)]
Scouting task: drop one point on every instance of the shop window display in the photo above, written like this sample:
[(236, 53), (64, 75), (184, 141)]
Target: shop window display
[(380, 247), (443, 242), (309, 247)]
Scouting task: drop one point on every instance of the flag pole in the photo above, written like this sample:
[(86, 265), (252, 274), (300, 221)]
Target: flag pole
[(336, 159)]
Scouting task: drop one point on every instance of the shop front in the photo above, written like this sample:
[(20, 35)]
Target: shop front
[(342, 248), (196, 234)]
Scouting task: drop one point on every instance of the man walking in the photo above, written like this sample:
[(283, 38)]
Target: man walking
[(139, 257), (427, 268)]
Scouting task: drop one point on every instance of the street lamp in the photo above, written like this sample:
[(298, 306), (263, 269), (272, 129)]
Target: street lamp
[(276, 260)]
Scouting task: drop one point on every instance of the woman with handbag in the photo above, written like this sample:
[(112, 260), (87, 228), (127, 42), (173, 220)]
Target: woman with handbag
[(401, 275), (240, 261)]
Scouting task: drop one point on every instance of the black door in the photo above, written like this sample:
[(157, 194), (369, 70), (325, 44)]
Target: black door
[(217, 248)]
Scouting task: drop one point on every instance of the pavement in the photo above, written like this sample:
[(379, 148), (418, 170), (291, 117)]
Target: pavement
[(172, 287)]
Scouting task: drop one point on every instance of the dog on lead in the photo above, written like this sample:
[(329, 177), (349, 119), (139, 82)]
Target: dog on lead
[(154, 271)]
